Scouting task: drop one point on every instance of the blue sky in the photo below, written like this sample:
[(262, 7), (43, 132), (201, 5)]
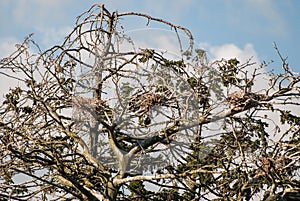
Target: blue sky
[(225, 28)]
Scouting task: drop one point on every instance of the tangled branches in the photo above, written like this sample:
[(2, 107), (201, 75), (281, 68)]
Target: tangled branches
[(101, 118)]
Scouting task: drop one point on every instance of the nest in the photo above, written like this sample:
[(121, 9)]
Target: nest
[(142, 103), (242, 99)]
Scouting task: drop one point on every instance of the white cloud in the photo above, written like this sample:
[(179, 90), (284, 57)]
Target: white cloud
[(267, 9), (42, 8), (52, 35), (37, 12), (158, 39), (229, 51), (7, 46), (268, 12)]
